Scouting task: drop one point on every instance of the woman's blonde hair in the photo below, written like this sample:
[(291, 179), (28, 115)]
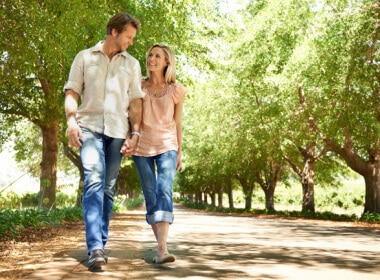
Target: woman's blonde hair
[(169, 71)]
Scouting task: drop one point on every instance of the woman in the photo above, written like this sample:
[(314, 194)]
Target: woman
[(159, 151)]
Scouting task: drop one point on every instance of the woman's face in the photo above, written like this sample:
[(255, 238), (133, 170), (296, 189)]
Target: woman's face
[(156, 60)]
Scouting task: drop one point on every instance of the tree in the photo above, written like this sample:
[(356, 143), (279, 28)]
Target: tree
[(32, 63), (339, 88), (263, 111), (53, 33)]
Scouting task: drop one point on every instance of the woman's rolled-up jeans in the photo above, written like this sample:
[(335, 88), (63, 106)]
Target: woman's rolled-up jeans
[(156, 176)]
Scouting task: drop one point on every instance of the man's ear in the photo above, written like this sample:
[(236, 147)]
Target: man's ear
[(114, 32)]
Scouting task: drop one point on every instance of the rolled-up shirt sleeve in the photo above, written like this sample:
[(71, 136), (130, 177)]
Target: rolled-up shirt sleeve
[(134, 91), (76, 78)]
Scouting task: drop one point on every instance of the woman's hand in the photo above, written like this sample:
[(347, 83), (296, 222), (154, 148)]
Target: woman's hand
[(179, 162), (129, 146)]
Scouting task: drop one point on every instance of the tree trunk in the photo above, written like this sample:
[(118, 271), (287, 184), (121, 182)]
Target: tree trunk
[(131, 194), (248, 202), (307, 179), (367, 165), (48, 180), (74, 157), (213, 199), (190, 197), (220, 197), (372, 187), (248, 191), (306, 175), (78, 202), (369, 169), (230, 196), (308, 189), (269, 197), (205, 198), (268, 182), (198, 197)]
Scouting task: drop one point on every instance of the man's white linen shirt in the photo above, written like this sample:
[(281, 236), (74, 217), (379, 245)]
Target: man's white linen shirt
[(106, 87)]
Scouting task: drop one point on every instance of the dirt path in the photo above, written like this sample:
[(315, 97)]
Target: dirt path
[(207, 246)]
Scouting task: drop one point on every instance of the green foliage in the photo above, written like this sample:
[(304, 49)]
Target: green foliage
[(65, 200), (245, 69), (346, 201), (15, 221), (54, 34), (26, 138), (128, 182), (27, 200), (122, 203), (370, 217), (298, 77), (30, 200), (32, 64), (11, 200), (366, 217)]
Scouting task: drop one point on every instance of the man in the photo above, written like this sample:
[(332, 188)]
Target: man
[(108, 81)]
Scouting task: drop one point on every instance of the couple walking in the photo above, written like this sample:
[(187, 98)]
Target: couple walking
[(112, 112)]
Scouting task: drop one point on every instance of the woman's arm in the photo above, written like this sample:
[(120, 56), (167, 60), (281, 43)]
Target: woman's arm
[(178, 121)]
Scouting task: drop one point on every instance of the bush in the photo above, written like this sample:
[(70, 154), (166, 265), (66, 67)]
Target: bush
[(65, 200), (15, 221), (10, 201), (29, 200), (370, 217), (121, 203)]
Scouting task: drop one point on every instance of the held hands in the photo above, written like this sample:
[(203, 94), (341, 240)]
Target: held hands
[(129, 146)]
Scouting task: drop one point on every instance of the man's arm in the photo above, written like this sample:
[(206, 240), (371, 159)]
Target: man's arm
[(135, 117), (71, 107)]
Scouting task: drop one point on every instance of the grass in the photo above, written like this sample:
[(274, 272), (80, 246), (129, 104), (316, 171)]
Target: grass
[(367, 217), (14, 221), (348, 199), (337, 204), (18, 211)]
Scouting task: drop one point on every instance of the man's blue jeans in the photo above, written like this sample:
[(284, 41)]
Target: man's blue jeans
[(157, 185), (101, 160)]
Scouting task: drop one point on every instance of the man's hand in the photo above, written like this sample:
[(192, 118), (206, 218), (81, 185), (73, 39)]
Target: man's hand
[(129, 146), (71, 106), (74, 134)]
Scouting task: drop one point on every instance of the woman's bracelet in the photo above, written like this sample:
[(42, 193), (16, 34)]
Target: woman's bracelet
[(135, 133)]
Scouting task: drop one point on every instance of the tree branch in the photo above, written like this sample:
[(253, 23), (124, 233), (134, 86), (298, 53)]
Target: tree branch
[(295, 168)]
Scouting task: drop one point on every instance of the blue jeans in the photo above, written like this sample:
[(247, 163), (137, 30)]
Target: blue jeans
[(101, 160), (157, 185)]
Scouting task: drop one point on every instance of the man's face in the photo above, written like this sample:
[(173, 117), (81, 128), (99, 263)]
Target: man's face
[(125, 39)]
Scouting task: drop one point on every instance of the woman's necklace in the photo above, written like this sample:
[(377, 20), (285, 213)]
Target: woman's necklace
[(156, 90)]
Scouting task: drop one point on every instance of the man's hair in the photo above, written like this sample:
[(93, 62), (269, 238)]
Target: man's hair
[(119, 21)]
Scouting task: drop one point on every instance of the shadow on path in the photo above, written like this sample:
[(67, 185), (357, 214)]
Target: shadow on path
[(211, 246)]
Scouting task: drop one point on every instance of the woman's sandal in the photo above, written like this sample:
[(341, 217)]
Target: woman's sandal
[(164, 259)]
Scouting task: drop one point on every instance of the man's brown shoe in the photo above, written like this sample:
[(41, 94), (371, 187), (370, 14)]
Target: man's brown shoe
[(96, 259)]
